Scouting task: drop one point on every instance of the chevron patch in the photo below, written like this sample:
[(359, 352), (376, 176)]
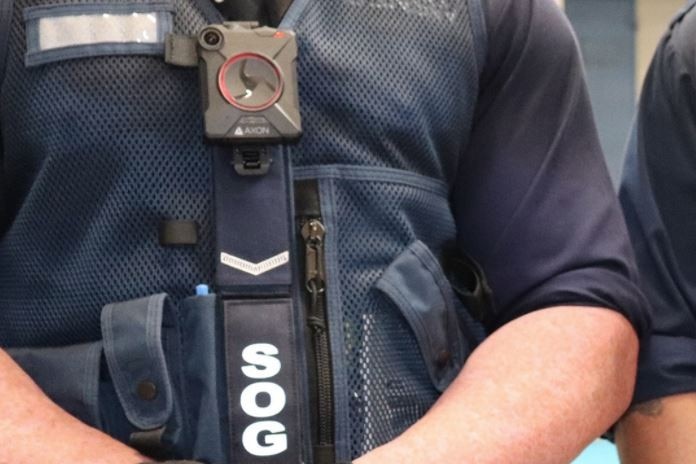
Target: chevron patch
[(255, 269)]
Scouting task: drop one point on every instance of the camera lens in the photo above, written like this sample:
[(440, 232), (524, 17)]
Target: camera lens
[(210, 39), (250, 82)]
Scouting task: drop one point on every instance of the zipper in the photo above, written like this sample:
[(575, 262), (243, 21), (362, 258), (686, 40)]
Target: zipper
[(313, 233)]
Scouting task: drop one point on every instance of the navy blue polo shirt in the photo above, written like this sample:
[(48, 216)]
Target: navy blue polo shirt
[(533, 201), (658, 195)]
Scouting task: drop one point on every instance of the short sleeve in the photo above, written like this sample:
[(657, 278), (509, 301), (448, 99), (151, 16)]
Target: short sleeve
[(658, 195), (3, 213), (533, 200)]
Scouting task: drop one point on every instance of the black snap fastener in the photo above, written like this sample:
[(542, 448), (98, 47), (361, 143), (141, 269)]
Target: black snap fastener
[(147, 390), (443, 358)]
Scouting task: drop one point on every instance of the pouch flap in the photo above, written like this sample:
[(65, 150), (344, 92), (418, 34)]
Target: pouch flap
[(414, 281), (132, 334), (69, 375)]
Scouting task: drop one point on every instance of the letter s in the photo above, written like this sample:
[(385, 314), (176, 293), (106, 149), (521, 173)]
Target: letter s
[(264, 364), (276, 440)]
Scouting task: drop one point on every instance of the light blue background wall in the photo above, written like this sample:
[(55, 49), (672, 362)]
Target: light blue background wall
[(606, 31), (601, 452)]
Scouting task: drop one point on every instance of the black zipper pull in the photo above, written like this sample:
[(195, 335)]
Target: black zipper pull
[(313, 232)]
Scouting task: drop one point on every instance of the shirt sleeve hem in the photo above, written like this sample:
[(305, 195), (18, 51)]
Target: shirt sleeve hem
[(592, 287), (667, 367)]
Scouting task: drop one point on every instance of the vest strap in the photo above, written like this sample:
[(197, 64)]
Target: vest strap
[(263, 381), (253, 223), (6, 15)]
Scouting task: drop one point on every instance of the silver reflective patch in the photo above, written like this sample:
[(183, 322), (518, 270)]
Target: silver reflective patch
[(255, 269), (70, 31), (92, 29)]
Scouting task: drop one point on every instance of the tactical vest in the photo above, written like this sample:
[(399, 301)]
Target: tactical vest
[(101, 145)]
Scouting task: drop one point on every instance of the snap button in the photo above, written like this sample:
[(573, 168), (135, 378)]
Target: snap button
[(147, 390)]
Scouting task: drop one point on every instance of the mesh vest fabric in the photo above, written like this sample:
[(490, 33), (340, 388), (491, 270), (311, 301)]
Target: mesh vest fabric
[(98, 150)]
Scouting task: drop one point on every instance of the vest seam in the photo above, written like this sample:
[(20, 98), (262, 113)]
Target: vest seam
[(479, 33), (6, 17), (373, 174)]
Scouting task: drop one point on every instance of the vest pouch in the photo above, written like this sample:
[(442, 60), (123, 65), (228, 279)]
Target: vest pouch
[(142, 349), (155, 380), (417, 286), (183, 360), (127, 384), (204, 383)]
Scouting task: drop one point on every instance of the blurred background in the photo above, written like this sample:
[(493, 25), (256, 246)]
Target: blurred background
[(617, 38)]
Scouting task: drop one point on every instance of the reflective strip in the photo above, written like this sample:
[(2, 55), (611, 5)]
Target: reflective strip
[(59, 32), (255, 269), (67, 31)]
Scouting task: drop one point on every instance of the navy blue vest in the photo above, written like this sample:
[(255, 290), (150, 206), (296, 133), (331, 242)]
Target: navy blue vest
[(100, 147)]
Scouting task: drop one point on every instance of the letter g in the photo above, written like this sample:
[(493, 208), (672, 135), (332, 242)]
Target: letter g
[(275, 440)]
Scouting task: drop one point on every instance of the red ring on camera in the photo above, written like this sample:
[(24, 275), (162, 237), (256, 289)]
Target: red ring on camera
[(227, 95)]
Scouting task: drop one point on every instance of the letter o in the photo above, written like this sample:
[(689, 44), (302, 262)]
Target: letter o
[(250, 395)]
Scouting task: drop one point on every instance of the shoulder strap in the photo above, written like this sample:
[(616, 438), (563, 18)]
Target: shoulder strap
[(6, 12)]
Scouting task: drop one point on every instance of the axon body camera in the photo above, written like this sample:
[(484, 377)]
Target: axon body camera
[(249, 83)]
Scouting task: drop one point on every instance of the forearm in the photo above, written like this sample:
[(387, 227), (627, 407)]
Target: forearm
[(35, 430), (536, 391), (659, 432)]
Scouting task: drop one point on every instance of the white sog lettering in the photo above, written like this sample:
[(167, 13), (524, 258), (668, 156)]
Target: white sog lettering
[(251, 406), (276, 439), (263, 364), (262, 360)]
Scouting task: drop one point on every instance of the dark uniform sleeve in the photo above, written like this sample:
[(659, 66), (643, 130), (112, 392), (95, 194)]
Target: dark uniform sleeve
[(658, 195), (3, 214), (533, 201), (5, 15)]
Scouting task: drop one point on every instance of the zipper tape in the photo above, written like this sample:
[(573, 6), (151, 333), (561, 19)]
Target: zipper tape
[(313, 235)]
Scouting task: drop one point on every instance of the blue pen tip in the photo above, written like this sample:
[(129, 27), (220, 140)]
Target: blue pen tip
[(202, 290)]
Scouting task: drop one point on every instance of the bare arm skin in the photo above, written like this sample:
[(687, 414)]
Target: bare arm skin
[(659, 432), (33, 430), (537, 391)]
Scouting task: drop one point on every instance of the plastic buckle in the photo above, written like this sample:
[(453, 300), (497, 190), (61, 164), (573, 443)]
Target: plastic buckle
[(251, 160)]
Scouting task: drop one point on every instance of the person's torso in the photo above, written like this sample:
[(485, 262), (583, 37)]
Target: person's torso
[(100, 149)]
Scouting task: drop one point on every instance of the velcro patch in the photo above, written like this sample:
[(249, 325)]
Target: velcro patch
[(58, 32)]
